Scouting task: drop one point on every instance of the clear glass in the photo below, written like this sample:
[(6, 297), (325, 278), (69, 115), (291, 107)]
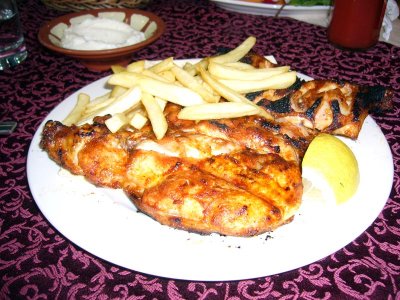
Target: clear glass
[(12, 45)]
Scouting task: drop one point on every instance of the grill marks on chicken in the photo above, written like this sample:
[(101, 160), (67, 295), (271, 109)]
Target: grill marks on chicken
[(240, 194), (252, 132), (199, 201), (325, 105), (196, 178), (238, 177), (267, 176)]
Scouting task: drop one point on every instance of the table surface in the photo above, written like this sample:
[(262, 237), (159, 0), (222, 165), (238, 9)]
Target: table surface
[(37, 262)]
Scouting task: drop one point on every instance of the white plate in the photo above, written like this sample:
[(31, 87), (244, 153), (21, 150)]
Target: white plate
[(266, 9), (105, 223)]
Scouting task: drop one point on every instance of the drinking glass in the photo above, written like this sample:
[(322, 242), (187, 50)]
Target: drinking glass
[(12, 45)]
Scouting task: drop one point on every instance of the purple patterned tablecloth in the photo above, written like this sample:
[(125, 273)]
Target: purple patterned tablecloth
[(36, 262)]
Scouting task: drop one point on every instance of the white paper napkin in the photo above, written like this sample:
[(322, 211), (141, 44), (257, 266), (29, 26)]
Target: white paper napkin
[(391, 14)]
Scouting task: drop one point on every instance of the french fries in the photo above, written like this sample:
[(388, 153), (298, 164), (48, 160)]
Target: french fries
[(98, 103), (137, 66), (77, 111), (163, 65), (171, 92), (237, 53), (240, 65), (279, 81), (191, 82), (227, 72), (125, 79), (230, 94), (156, 115), (226, 92), (138, 120), (120, 104), (156, 76), (117, 121), (219, 110), (117, 69), (116, 92), (212, 88)]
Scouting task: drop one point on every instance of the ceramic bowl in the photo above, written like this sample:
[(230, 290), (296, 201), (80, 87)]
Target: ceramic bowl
[(151, 25)]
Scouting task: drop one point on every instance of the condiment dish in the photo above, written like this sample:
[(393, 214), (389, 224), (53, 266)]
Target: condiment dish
[(151, 25)]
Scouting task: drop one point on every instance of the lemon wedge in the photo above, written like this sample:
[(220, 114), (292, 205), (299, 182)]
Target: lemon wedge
[(330, 170)]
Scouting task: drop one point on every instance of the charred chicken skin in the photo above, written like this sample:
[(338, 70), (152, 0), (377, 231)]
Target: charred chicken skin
[(238, 177), (188, 180)]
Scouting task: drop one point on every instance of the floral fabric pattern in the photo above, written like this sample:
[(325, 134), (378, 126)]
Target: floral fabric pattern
[(36, 262)]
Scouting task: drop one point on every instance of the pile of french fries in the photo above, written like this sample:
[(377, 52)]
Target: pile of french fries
[(213, 88)]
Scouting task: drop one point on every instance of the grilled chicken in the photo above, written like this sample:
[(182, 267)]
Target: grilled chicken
[(325, 105), (188, 180), (238, 176), (252, 194)]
